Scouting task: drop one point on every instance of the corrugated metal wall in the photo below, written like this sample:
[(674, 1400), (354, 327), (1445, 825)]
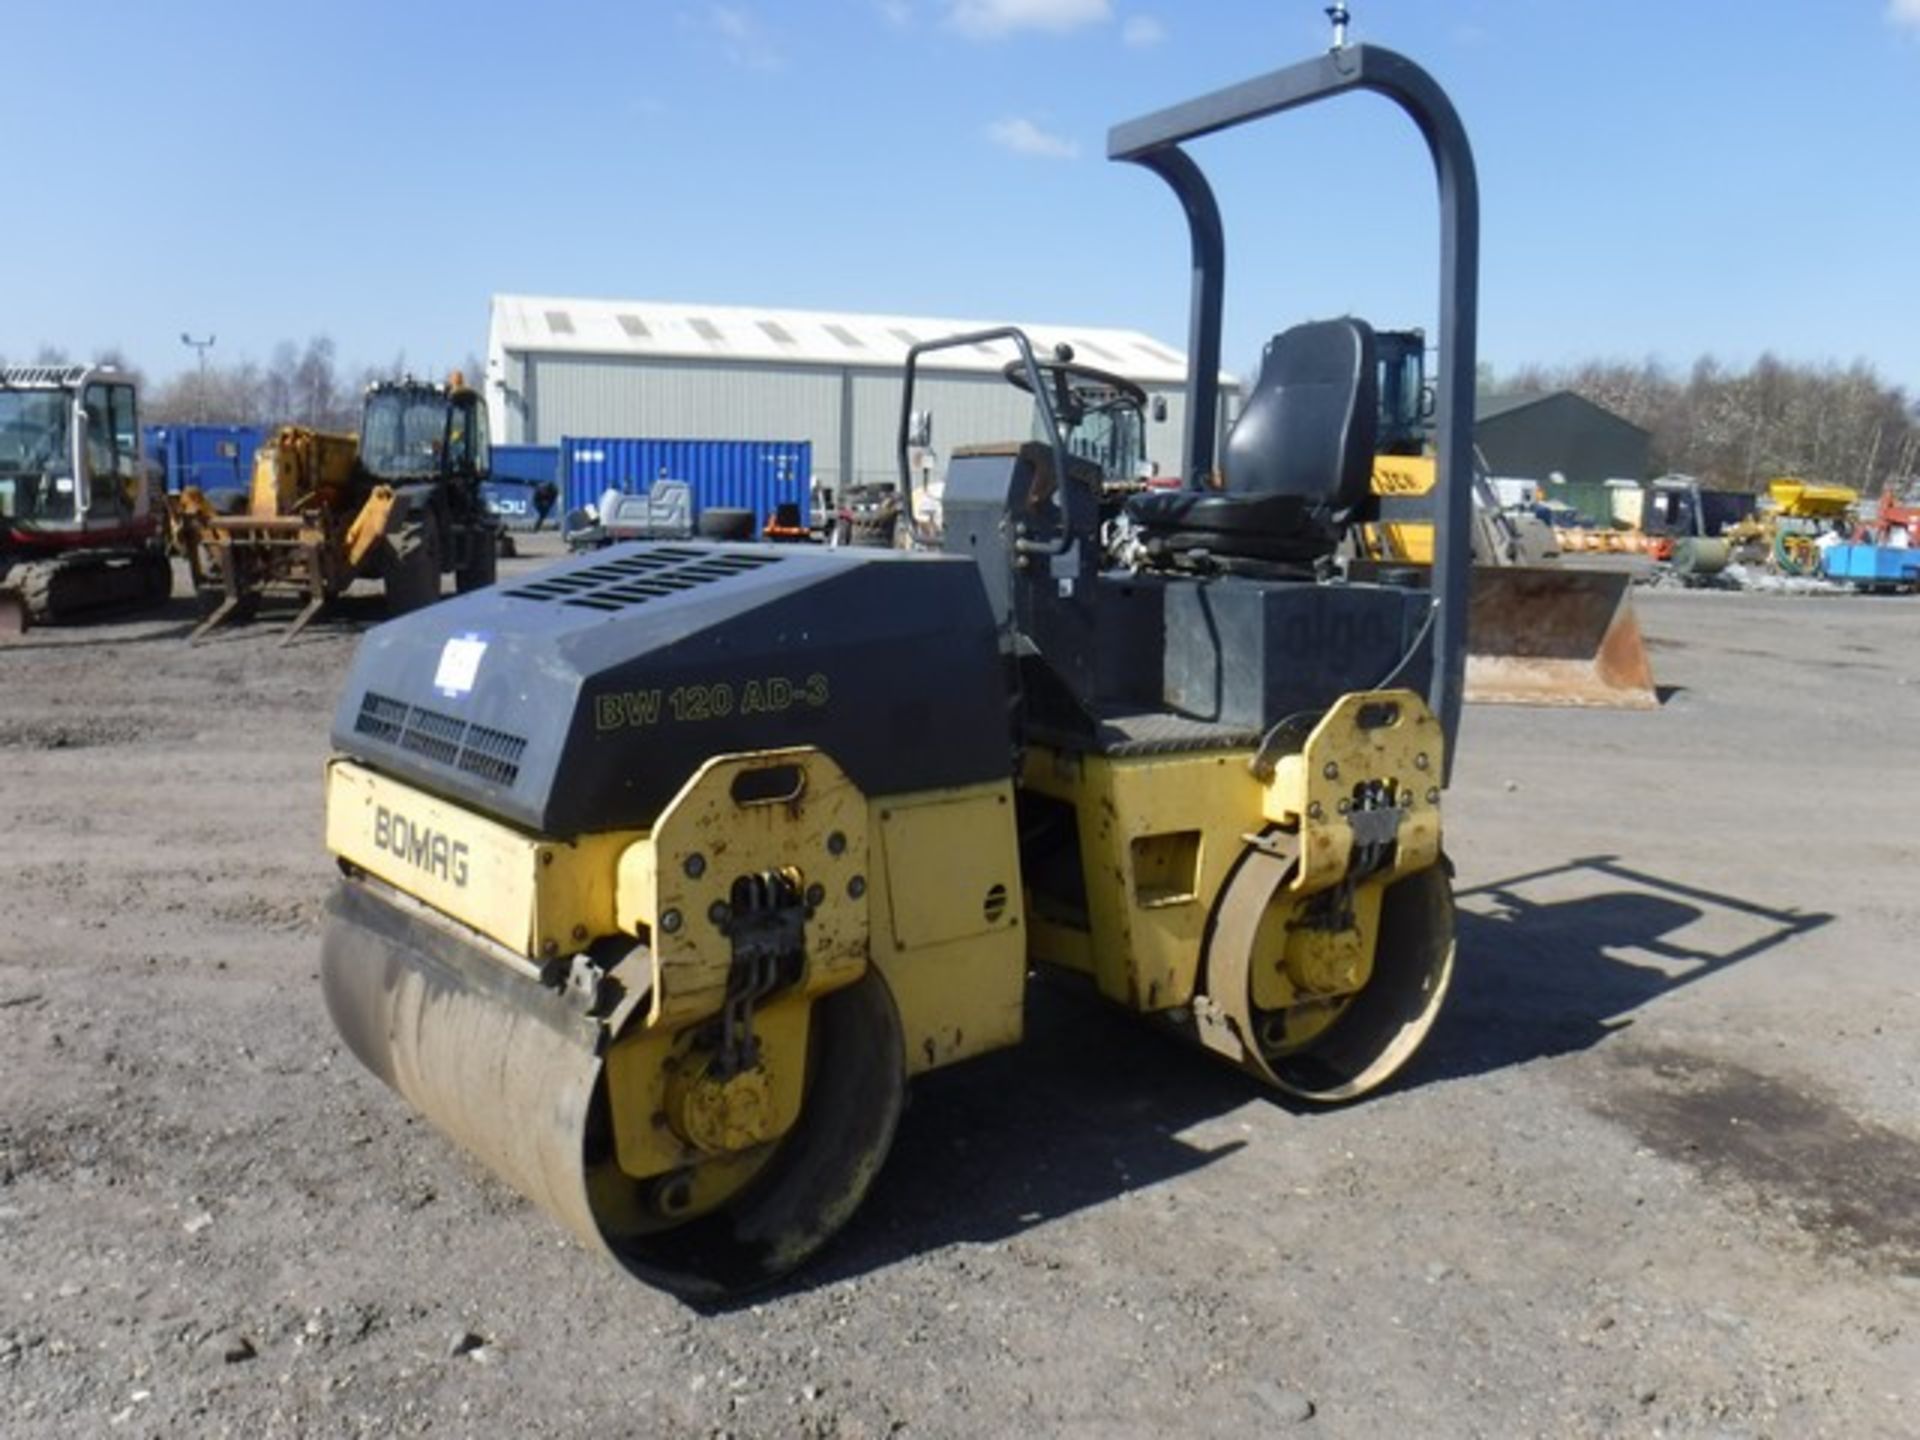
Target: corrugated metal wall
[(620, 395), (751, 475), (615, 395)]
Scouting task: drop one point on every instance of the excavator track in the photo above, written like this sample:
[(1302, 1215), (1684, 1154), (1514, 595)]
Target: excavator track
[(38, 592)]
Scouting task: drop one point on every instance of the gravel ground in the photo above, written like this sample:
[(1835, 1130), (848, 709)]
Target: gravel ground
[(1658, 1172)]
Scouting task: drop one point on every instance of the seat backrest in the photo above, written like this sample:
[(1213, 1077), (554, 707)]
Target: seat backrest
[(1308, 427), (670, 509)]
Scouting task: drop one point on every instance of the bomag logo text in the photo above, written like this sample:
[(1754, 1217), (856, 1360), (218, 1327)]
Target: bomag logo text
[(638, 709), (421, 846)]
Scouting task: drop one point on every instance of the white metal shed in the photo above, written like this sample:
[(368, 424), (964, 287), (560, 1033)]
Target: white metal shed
[(565, 366)]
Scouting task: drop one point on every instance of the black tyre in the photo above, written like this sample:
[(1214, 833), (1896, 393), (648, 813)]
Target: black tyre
[(483, 560), (156, 579), (412, 578), (722, 523)]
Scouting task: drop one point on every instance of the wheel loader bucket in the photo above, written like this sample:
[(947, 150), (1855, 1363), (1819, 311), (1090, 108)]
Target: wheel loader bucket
[(1554, 635)]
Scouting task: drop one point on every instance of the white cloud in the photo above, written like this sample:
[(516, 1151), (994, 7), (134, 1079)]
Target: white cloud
[(1023, 137), (1904, 12), (990, 19), (1142, 31), (744, 38), (897, 13)]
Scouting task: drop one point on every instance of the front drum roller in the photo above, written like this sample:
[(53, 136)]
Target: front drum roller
[(514, 1072), (1341, 1046)]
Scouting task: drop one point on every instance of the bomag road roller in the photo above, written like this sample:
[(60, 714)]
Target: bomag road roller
[(664, 871)]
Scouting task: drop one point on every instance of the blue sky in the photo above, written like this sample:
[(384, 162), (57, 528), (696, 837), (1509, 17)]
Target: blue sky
[(1659, 179)]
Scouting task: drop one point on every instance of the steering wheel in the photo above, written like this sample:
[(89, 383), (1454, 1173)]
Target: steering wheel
[(1077, 390)]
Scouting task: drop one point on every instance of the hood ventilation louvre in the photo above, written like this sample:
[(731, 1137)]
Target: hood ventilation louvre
[(493, 755), (634, 579)]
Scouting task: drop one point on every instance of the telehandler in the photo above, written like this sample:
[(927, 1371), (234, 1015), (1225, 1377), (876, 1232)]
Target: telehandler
[(400, 502), (663, 872)]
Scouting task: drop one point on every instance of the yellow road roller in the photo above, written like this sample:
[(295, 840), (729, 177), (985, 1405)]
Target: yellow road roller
[(664, 870)]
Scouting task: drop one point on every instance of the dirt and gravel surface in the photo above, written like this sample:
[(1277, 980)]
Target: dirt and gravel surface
[(1658, 1172)]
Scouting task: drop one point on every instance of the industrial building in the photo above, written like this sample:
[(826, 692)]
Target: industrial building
[(569, 367), (1561, 435)]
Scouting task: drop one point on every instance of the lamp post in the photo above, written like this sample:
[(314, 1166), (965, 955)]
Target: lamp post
[(200, 347)]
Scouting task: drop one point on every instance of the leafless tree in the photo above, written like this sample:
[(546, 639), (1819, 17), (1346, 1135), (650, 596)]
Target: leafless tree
[(1740, 429)]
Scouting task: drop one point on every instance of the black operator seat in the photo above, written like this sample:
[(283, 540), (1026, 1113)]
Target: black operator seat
[(1299, 460)]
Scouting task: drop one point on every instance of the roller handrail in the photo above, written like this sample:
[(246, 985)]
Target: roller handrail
[(1032, 369)]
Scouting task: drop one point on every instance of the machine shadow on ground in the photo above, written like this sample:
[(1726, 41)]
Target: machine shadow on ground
[(1087, 1108), (1555, 960), (174, 621), (1094, 1102)]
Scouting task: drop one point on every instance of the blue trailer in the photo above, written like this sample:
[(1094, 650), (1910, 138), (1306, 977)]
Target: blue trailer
[(214, 457), (756, 475), (1873, 567)]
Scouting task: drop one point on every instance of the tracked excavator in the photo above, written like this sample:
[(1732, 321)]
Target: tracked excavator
[(80, 529), (664, 871)]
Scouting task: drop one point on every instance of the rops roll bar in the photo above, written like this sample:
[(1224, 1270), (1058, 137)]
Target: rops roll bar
[(1154, 141)]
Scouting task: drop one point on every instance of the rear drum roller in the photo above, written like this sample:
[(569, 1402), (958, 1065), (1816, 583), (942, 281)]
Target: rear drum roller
[(515, 1074), (1338, 1048)]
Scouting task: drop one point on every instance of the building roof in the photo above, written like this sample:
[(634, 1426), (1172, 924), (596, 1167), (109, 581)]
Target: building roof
[(1488, 407), (659, 329)]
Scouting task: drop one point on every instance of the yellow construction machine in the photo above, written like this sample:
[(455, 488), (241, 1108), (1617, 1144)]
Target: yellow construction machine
[(1542, 633), (663, 871), (1796, 515), (399, 503)]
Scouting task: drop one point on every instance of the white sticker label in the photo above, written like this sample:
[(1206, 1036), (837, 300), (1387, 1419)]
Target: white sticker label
[(459, 664)]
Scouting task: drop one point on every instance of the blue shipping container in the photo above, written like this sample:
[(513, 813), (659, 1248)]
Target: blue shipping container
[(214, 457), (528, 463), (755, 475)]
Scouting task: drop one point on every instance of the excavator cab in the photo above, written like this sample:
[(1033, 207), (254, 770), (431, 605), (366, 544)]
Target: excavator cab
[(70, 449)]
